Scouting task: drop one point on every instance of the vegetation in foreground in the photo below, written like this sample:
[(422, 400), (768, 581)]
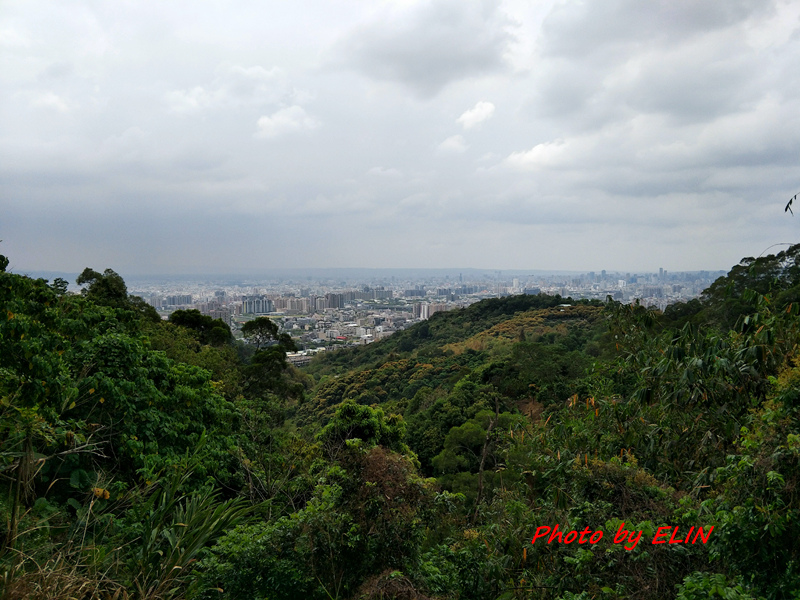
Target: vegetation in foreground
[(150, 459)]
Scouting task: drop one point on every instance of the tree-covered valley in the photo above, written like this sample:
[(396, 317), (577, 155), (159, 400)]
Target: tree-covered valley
[(151, 459)]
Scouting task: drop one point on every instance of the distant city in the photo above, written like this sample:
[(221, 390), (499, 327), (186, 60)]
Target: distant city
[(324, 309)]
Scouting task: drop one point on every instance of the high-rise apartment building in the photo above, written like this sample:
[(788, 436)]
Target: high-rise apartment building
[(257, 305)]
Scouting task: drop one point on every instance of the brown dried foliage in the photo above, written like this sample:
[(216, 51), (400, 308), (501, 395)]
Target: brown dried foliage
[(389, 585), (59, 577)]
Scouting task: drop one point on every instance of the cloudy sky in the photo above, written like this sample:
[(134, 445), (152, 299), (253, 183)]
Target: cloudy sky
[(185, 136)]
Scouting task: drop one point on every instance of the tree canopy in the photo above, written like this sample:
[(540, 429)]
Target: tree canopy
[(209, 330), (109, 289)]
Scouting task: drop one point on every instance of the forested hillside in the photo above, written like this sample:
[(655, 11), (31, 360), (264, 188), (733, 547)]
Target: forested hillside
[(142, 458)]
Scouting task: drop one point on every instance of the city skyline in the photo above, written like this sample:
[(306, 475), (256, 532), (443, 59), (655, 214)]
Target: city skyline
[(330, 313)]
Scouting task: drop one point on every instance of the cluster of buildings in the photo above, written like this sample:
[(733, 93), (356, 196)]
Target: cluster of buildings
[(658, 290), (320, 314)]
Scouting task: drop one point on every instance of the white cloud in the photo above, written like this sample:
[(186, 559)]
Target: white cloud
[(545, 155), (777, 29), (477, 114), (287, 120), (455, 143), (186, 101), (233, 87), (11, 38), (51, 101)]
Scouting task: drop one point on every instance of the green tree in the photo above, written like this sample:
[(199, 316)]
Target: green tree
[(209, 331), (109, 289), (106, 288), (775, 274), (370, 425), (270, 373), (263, 330)]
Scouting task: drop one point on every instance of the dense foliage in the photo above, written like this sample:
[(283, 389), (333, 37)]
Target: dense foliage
[(154, 459)]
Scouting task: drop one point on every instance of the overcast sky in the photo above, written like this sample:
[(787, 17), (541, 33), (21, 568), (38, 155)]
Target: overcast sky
[(186, 136)]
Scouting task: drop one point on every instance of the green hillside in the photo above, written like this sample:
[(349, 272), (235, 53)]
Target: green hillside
[(150, 459)]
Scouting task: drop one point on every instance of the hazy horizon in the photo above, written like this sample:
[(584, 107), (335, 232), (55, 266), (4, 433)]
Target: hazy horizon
[(351, 273)]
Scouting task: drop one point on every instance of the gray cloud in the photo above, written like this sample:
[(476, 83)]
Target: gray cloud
[(581, 29), (167, 136), (431, 44), (691, 61)]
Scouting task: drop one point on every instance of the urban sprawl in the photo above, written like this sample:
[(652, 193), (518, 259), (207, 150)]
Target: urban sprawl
[(327, 313)]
